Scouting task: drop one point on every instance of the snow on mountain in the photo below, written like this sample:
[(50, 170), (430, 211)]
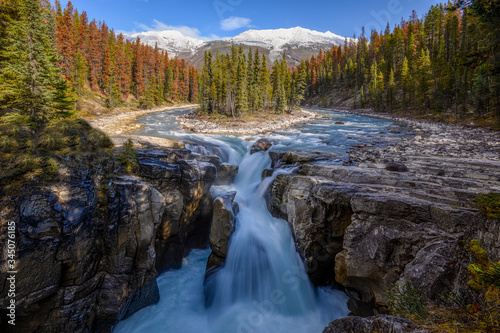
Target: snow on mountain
[(171, 40), (274, 40), (280, 39)]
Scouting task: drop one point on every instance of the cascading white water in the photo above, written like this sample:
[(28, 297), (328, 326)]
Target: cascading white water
[(262, 287), (262, 270)]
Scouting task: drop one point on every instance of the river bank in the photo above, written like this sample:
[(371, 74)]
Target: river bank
[(430, 138), (125, 123), (258, 124)]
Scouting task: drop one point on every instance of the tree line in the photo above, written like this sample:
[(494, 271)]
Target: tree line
[(446, 61), (96, 58), (235, 84)]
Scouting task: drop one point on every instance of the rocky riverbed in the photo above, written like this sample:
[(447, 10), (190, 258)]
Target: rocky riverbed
[(193, 123), (392, 213)]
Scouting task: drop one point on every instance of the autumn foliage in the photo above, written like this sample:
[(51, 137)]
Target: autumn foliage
[(93, 58)]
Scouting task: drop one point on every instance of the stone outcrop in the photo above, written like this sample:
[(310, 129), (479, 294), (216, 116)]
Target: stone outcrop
[(226, 174), (223, 222), (292, 158), (184, 180), (368, 228), (89, 245), (379, 324), (260, 145)]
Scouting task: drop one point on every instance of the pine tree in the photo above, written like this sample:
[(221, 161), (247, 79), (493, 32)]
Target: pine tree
[(424, 78), (30, 81), (264, 82), (391, 90), (66, 42), (406, 82), (241, 86)]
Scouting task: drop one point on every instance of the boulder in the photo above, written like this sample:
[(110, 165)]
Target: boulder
[(226, 174), (396, 166), (260, 145), (293, 158), (223, 222)]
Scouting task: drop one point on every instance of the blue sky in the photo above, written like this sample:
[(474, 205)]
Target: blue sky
[(227, 18)]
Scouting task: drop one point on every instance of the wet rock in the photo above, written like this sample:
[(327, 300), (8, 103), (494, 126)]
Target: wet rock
[(223, 221), (189, 209), (89, 244), (380, 324), (339, 123), (260, 145), (318, 216), (93, 257), (226, 174), (293, 158)]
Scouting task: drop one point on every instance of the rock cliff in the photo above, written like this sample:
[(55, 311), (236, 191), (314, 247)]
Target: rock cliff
[(369, 226), (91, 244)]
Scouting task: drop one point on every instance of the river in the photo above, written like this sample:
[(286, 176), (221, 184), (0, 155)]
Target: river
[(263, 285)]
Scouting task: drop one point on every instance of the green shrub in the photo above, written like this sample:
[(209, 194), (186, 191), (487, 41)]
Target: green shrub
[(405, 300), (128, 157), (26, 154), (489, 204)]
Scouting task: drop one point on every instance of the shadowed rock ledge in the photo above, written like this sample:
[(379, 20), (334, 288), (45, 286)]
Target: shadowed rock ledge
[(90, 245)]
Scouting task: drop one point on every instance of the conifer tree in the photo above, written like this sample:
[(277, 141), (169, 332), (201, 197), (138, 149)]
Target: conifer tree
[(241, 85), (31, 84), (424, 78)]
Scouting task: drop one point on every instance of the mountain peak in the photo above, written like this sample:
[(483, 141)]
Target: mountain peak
[(298, 42), (175, 42), (279, 40)]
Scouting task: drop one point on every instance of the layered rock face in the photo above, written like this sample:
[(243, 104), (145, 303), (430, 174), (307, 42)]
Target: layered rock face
[(223, 223), (372, 226), (90, 246), (184, 180)]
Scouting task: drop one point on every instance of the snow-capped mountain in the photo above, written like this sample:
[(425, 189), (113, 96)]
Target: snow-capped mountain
[(281, 39), (278, 41), (298, 43), (171, 40)]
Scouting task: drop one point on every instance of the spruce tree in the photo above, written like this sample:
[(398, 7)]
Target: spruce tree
[(424, 78), (31, 84)]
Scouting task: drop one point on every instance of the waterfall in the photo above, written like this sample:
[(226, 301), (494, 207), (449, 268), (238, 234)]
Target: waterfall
[(263, 275), (262, 287)]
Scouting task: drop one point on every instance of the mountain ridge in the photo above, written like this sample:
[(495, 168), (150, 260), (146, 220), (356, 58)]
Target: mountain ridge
[(298, 43)]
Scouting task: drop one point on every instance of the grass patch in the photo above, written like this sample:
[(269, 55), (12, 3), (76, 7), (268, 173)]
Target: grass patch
[(27, 154)]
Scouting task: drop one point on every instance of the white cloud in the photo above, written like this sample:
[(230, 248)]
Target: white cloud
[(185, 30), (234, 23)]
